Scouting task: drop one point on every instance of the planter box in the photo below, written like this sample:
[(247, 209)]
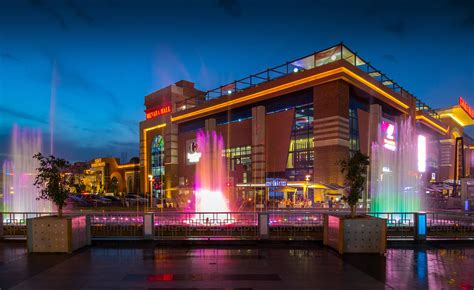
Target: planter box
[(364, 234), (51, 234)]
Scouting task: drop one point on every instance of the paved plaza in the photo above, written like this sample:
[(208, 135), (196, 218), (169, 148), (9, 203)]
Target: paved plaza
[(140, 265)]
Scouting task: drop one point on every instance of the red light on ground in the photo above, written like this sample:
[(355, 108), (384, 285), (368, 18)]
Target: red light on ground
[(160, 277), (228, 184)]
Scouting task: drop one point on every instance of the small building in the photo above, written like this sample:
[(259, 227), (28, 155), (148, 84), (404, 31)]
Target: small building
[(107, 175)]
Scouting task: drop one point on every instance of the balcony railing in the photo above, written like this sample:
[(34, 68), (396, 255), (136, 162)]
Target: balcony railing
[(317, 59), (284, 224), (421, 106)]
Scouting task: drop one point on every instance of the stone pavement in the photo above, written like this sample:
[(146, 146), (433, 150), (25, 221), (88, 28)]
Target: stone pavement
[(140, 265)]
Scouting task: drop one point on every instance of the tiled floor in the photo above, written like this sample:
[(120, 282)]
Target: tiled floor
[(145, 266)]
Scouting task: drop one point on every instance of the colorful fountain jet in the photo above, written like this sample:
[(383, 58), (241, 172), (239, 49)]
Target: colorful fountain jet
[(395, 179), (19, 193), (211, 173)]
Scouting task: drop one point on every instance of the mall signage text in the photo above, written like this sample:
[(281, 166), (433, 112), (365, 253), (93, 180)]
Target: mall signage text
[(463, 104), (157, 111)]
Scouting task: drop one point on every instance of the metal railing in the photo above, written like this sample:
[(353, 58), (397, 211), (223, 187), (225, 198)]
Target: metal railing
[(316, 59), (284, 224), (116, 225), (200, 225), (422, 106)]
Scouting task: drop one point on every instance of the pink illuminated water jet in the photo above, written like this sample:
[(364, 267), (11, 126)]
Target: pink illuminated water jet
[(211, 174), (19, 173)]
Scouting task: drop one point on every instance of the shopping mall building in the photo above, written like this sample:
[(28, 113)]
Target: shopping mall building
[(291, 124)]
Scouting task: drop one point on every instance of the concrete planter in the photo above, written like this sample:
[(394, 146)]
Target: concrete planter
[(51, 234), (364, 234)]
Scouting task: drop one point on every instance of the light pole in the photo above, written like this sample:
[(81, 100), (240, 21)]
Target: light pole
[(307, 178), (150, 177)]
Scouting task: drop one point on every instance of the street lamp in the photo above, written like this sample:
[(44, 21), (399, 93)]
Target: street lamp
[(305, 191), (150, 178)]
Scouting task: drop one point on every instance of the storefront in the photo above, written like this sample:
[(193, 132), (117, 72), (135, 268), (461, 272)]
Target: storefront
[(293, 122)]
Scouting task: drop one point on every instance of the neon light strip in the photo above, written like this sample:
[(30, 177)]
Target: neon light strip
[(454, 118), (145, 170), (421, 117), (421, 153), (290, 85), (128, 165)]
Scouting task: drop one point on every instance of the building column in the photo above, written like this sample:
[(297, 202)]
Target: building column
[(446, 161), (331, 130), (171, 157), (258, 145), (210, 124)]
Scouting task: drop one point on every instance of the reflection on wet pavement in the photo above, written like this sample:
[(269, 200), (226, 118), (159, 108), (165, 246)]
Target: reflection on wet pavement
[(309, 266)]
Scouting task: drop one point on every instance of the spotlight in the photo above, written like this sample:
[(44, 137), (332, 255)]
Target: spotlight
[(229, 92), (295, 70), (333, 57)]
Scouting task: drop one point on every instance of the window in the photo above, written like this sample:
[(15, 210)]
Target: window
[(239, 155), (157, 161), (301, 152)]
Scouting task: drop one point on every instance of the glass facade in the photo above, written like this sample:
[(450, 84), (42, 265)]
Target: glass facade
[(239, 155), (354, 137), (157, 161), (301, 152)]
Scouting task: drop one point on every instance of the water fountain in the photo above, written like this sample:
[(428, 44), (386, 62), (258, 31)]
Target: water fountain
[(395, 180), (19, 173), (211, 174)]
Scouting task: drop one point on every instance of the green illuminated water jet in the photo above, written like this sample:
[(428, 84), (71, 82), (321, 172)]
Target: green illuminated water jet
[(395, 181)]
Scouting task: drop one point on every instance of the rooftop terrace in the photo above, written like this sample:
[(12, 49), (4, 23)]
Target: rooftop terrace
[(316, 59)]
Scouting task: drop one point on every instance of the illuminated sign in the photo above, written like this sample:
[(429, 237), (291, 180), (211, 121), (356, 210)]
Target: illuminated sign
[(463, 104), (157, 111), (421, 153), (389, 135), (275, 182), (192, 155)]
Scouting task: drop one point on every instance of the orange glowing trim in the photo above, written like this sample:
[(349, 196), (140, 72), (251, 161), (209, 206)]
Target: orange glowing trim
[(290, 85), (471, 147), (442, 129), (454, 118), (144, 148), (127, 165)]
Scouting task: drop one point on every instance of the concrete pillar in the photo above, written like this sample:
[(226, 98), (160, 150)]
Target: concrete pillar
[(258, 150), (1, 226), (210, 124), (331, 130), (446, 160), (263, 226), (420, 226), (148, 226)]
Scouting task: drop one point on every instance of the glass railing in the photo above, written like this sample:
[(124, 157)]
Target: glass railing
[(421, 106), (311, 61)]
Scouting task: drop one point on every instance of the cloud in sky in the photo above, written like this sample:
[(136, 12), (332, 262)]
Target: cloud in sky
[(112, 53)]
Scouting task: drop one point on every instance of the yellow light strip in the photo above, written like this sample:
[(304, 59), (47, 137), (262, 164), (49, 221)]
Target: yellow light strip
[(145, 171), (290, 85), (421, 117), (471, 147), (127, 165), (454, 118)]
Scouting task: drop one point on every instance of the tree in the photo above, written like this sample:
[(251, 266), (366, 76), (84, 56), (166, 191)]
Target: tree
[(355, 170), (51, 181)]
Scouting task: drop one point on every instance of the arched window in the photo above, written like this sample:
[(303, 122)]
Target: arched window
[(157, 160), (114, 185)]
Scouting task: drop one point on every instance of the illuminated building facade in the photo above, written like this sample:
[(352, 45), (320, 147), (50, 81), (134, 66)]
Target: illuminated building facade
[(107, 175), (293, 123)]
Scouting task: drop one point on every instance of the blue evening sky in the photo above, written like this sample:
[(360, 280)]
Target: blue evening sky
[(101, 57)]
